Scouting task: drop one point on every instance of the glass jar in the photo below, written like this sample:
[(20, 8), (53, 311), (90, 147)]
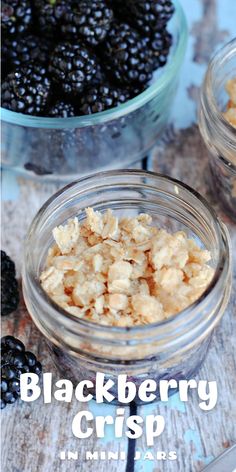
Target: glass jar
[(69, 148), (174, 348), (218, 134)]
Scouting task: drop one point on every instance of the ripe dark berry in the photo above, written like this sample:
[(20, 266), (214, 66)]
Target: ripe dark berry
[(3, 404), (61, 109), (159, 46), (28, 49), (26, 90), (49, 14), (8, 372), (4, 385), (9, 285), (146, 15), (12, 343), (55, 51), (30, 358), (9, 397), (103, 97), (15, 361), (37, 369), (90, 19), (16, 16), (126, 57), (72, 66), (14, 386)]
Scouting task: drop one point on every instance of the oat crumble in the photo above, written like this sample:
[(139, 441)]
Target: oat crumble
[(230, 114), (123, 272)]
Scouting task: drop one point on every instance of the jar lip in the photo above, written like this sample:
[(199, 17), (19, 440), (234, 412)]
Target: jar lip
[(121, 110), (208, 99), (224, 254)]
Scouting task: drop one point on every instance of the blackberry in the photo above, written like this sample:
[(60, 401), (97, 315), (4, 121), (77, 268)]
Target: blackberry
[(146, 15), (26, 90), (103, 97), (14, 362), (9, 286), (16, 16), (61, 109), (135, 90), (90, 19), (126, 55), (49, 14), (29, 49), (101, 76), (72, 66), (159, 46)]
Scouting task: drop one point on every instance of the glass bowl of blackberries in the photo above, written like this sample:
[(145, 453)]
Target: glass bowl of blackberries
[(86, 85)]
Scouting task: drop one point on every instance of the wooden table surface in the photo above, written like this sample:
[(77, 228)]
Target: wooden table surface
[(33, 434)]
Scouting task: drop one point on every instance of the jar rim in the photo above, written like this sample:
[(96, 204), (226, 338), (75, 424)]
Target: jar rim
[(219, 275), (209, 103), (119, 111)]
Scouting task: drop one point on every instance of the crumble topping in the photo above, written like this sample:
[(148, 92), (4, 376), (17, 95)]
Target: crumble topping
[(230, 114), (123, 272)]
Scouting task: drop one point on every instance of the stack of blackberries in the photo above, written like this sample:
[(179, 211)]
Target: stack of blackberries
[(69, 58), (9, 285), (15, 360)]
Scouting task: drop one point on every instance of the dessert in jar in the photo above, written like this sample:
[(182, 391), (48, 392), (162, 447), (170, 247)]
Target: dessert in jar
[(130, 273), (217, 122)]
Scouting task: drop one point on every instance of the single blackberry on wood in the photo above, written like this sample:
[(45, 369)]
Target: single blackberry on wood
[(61, 109), (29, 49), (126, 56), (72, 66), (16, 17), (26, 90), (49, 14), (9, 286), (145, 15), (90, 19), (14, 362), (103, 97)]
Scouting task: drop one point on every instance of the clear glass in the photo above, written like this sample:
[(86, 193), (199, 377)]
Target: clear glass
[(218, 134), (174, 348), (69, 148)]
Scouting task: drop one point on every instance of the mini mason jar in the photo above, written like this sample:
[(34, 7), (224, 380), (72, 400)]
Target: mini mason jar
[(218, 134), (174, 348)]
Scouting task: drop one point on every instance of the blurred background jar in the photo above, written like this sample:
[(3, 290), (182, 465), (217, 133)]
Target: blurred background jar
[(218, 134)]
